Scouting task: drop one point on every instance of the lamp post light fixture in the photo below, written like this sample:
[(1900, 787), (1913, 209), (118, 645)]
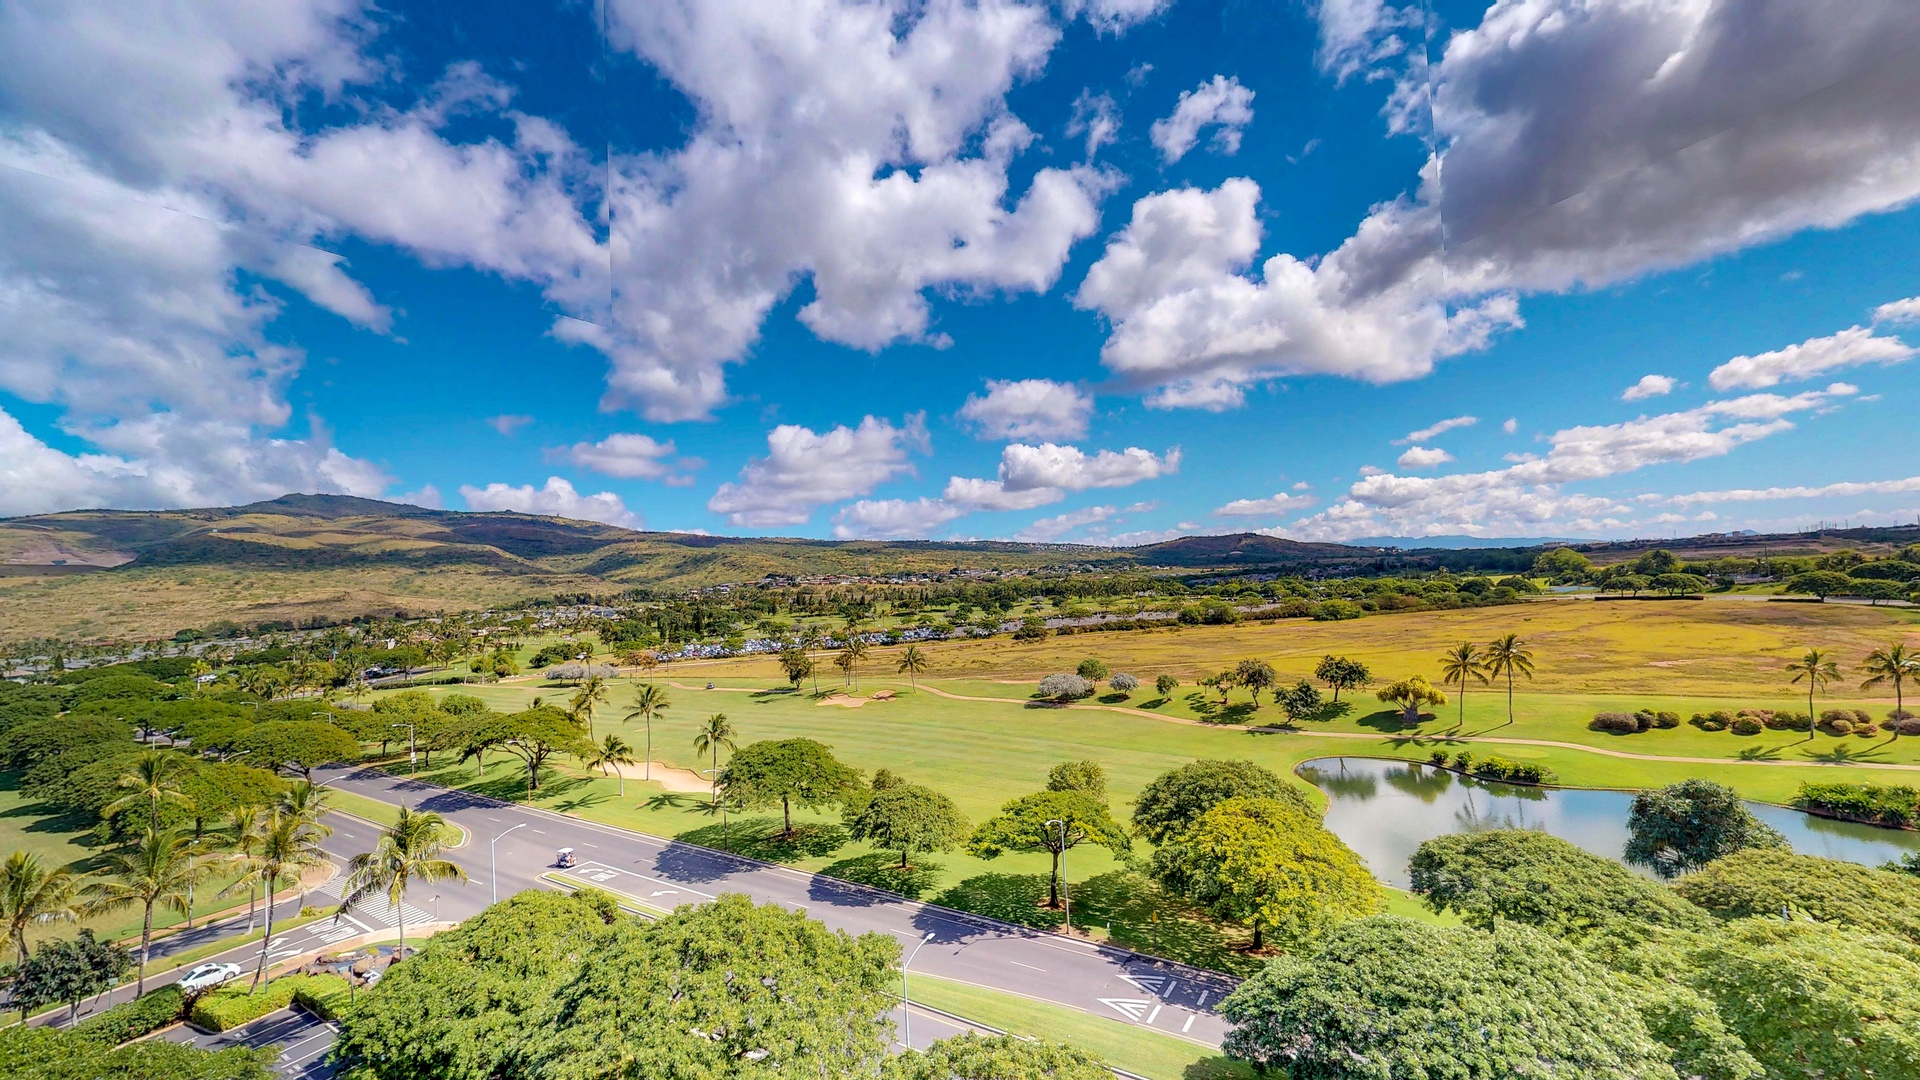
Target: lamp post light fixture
[(410, 752), (1066, 900), (493, 863), (906, 1002)]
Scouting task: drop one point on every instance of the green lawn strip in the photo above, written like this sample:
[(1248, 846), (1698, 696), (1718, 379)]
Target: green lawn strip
[(1130, 1046)]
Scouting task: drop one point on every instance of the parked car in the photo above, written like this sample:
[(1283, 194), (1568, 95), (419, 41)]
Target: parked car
[(208, 976)]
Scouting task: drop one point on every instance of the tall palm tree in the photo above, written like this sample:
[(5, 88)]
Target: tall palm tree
[(1460, 665), (914, 663), (592, 693), (159, 870), (31, 893), (716, 736), (284, 844), (242, 835), (811, 639), (155, 778), (611, 751), (1815, 669), (850, 656), (408, 849), (649, 701), (1893, 664), (1509, 656), (307, 801)]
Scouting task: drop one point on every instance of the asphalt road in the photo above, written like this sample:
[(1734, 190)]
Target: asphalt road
[(303, 1038), (1169, 998)]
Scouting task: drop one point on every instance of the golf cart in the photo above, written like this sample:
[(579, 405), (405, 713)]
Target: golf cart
[(566, 858)]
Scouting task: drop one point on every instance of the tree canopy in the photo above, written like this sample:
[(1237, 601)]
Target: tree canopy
[(907, 818), (1763, 881), (1687, 825), (1021, 825), (533, 735), (301, 745), (1176, 799), (998, 1057), (1526, 876), (41, 1053), (787, 772)]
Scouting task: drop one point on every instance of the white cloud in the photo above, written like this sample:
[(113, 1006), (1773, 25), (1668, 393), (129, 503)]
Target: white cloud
[(1691, 130), (1844, 489), (804, 469), (976, 494), (866, 146), (1115, 15), (1649, 386), (1849, 348), (508, 423), (1512, 425), (427, 496), (1221, 103), (1898, 311), (1029, 409), (630, 456), (1437, 429), (1047, 530), (1028, 468), (893, 518), (1302, 485), (1096, 117), (557, 498), (1270, 506), (1422, 457)]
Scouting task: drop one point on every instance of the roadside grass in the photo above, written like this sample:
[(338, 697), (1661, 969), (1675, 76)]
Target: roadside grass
[(1132, 1047)]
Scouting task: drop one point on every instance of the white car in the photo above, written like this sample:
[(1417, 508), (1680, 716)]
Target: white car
[(208, 976)]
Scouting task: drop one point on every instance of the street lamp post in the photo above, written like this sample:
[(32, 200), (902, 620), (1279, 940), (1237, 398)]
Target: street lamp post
[(493, 863), (906, 1002), (410, 752), (1066, 899)]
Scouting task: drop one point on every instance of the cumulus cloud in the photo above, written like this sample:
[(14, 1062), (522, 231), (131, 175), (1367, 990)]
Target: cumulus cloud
[(1511, 425), (891, 519), (1437, 429), (1096, 117), (1898, 311), (884, 131), (557, 498), (1029, 409), (805, 469), (1221, 103), (632, 457), (1028, 477), (1650, 386), (1068, 468), (1692, 130), (1270, 506), (508, 423), (1849, 348), (1423, 457), (1843, 489), (1115, 15), (1047, 530)]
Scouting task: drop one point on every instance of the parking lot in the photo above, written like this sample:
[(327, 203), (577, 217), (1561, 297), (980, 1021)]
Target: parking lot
[(303, 1038)]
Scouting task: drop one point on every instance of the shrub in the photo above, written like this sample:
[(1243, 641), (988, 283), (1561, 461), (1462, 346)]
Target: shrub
[(1862, 716), (1666, 718), (1717, 720), (1747, 725), (1834, 716), (1335, 610), (1909, 726), (1065, 686), (1841, 726), (1866, 731), (1165, 685), (325, 996), (1498, 768), (1463, 761), (1091, 670), (131, 1019), (1123, 683), (227, 1007), (1439, 758), (1623, 723), (1896, 805)]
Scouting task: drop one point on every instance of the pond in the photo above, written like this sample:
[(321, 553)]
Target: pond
[(1384, 810)]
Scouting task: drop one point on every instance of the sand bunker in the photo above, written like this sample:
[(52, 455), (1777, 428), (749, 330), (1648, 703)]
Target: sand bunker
[(848, 701), (679, 780)]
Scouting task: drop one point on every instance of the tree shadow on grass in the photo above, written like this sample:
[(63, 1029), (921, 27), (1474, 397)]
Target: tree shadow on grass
[(1760, 753), (882, 870), (1388, 720), (1217, 1068), (586, 800), (1843, 755), (760, 838)]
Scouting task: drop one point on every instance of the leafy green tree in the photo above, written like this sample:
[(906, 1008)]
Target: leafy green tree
[(1340, 673), (1175, 799), (914, 663), (1526, 876), (996, 1057), (534, 735), (300, 745), (1656, 562), (42, 1053), (1893, 664), (1264, 863), (1411, 696), (1301, 702), (1687, 825), (649, 701), (716, 735), (1165, 685), (1092, 670), (1085, 776), (1507, 656), (409, 849), (907, 818), (797, 665), (1256, 676), (609, 755), (1561, 562), (1387, 998), (1022, 825), (34, 894), (1760, 882), (786, 772), (1460, 666), (160, 870), (68, 971), (1820, 583), (156, 777), (750, 989), (1679, 584)]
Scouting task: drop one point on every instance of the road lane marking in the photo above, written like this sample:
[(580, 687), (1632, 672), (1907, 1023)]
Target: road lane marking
[(1154, 1015), (1131, 1008), (1188, 1026), (1152, 984), (1029, 967)]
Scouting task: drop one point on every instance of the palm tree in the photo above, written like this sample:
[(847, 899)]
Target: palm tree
[(1508, 655), (1460, 664), (1893, 664), (159, 870), (648, 703), (850, 656), (613, 751), (242, 836), (308, 802), (1816, 670), (30, 893), (410, 848), (154, 778), (592, 693), (811, 639), (715, 737), (284, 843), (914, 663)]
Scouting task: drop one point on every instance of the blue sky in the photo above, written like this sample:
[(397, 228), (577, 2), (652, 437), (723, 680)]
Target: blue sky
[(1100, 270)]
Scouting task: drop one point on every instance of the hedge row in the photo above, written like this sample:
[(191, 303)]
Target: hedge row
[(1628, 723), (1882, 804), (1832, 721), (325, 996), (1496, 768), (230, 1006), (129, 1020)]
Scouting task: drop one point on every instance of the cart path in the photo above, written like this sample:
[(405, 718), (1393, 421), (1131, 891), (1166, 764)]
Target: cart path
[(1437, 737)]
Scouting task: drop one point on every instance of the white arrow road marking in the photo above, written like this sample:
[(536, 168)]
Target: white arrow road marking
[(1131, 1008), (1152, 984)]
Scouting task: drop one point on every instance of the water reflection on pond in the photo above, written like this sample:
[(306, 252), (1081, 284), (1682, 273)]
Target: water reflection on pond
[(1385, 810)]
